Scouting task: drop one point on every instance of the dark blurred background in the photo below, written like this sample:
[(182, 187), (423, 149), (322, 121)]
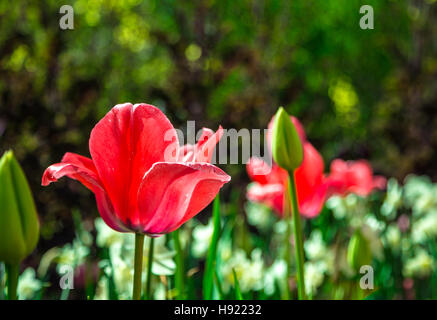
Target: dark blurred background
[(359, 93)]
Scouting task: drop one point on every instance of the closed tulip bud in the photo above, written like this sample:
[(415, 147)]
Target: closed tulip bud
[(19, 227), (287, 148), (358, 252)]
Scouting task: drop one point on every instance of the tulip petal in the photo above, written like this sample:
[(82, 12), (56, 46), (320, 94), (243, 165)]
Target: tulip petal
[(172, 193), (272, 195), (74, 166), (353, 177), (186, 153), (124, 145), (206, 144), (206, 134), (311, 189), (310, 173), (311, 206), (82, 169), (259, 171), (379, 182)]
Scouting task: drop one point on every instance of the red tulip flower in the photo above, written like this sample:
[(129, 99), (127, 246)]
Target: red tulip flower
[(353, 177), (311, 184), (143, 181)]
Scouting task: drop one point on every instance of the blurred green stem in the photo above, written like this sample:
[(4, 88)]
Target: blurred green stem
[(149, 267), (138, 266), (210, 265), (2, 276), (298, 239), (179, 276), (12, 271), (287, 257), (65, 293)]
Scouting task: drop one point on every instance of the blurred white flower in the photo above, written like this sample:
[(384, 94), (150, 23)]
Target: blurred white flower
[(351, 206), (315, 247), (105, 235), (421, 264), (163, 257), (123, 274), (352, 200), (202, 235), (338, 206), (392, 237), (393, 199), (373, 223), (121, 252), (425, 228), (160, 292), (280, 227), (259, 215), (420, 194), (317, 252), (28, 285), (314, 276), (274, 275), (373, 236), (248, 271), (72, 254), (102, 291)]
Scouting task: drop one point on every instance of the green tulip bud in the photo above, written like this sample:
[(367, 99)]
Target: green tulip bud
[(358, 252), (287, 148), (19, 226)]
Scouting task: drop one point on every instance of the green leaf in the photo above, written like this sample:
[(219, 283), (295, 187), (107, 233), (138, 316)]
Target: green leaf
[(208, 277), (180, 273), (358, 252), (238, 295), (218, 285)]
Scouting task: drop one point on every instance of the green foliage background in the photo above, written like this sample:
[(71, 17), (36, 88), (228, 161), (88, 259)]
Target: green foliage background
[(359, 93)]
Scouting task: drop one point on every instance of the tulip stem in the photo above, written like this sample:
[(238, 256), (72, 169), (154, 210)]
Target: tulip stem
[(287, 216), (179, 276), (298, 239), (138, 265), (12, 271), (149, 267)]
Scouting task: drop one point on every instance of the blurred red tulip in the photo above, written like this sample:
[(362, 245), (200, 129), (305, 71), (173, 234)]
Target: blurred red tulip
[(141, 182), (353, 177), (310, 181)]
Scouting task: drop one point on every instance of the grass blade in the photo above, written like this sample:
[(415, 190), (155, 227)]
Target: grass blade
[(238, 295), (180, 272), (219, 286), (208, 278)]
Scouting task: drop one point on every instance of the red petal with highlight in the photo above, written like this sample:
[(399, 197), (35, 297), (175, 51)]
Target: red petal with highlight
[(124, 145), (82, 169), (172, 193), (75, 167)]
